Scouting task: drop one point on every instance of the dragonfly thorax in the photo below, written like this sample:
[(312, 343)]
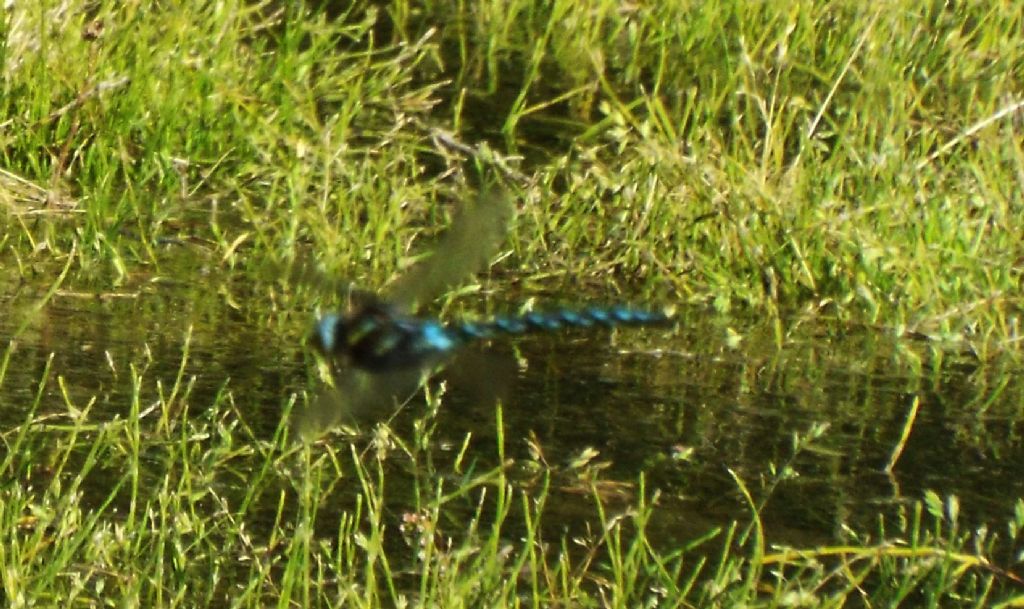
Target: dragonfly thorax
[(378, 339)]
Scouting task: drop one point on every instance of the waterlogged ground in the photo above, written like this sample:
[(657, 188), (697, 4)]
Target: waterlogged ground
[(700, 410)]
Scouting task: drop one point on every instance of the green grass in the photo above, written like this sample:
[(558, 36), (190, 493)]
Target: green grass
[(841, 160), (184, 506), (857, 164)]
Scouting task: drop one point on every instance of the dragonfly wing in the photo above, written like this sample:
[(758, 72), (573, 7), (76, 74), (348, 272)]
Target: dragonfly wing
[(469, 243), (356, 397)]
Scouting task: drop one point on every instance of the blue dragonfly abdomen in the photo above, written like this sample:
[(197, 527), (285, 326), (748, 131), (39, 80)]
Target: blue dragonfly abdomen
[(559, 319)]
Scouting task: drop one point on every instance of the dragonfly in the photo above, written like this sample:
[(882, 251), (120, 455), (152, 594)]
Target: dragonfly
[(380, 349)]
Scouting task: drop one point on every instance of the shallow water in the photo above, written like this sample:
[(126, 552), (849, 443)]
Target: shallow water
[(680, 406)]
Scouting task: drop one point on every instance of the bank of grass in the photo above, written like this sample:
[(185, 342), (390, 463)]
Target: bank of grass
[(851, 161), (180, 504)]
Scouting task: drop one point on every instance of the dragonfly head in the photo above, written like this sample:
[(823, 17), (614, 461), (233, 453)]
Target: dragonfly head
[(329, 333), (340, 335)]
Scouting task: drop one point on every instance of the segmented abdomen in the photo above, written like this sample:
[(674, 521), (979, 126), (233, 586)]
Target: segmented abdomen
[(551, 321)]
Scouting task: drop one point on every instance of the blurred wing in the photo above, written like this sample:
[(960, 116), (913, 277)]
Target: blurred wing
[(303, 275), (469, 243), (355, 397)]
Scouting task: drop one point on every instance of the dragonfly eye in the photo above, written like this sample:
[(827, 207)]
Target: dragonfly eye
[(328, 333)]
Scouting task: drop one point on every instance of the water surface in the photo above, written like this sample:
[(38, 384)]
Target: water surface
[(688, 407)]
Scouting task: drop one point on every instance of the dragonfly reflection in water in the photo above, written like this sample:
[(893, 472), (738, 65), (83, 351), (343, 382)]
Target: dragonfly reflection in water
[(380, 352)]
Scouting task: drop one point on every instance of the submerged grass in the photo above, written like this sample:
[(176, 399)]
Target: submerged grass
[(857, 162), (174, 506)]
